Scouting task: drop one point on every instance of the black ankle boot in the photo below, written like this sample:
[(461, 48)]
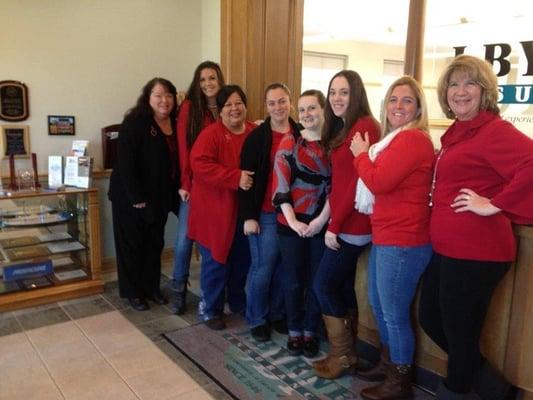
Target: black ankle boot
[(490, 384), (178, 303)]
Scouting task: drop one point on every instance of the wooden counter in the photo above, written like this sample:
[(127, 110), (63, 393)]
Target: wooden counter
[(507, 339)]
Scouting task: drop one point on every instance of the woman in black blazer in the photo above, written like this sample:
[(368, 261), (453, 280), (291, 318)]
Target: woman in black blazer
[(143, 189)]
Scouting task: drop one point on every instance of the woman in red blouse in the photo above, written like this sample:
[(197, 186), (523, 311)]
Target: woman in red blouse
[(482, 181), (347, 111), (394, 182), (198, 110)]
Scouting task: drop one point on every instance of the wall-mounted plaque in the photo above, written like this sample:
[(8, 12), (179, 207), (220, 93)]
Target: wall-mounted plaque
[(13, 101), (61, 125), (14, 139)]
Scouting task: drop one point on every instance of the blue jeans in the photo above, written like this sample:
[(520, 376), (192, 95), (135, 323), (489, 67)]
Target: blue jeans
[(264, 289), (223, 281), (182, 247), (335, 278), (301, 258), (393, 275)]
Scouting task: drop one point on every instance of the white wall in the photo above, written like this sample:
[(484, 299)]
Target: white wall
[(90, 59), (211, 30)]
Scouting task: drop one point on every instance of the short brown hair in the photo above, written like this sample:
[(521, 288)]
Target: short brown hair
[(480, 71)]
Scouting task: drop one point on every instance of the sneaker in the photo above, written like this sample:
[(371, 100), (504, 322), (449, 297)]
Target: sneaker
[(216, 324), (310, 347), (295, 345), (280, 326), (261, 333)]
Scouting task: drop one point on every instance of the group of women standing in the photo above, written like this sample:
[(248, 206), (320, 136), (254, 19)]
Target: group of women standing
[(281, 212)]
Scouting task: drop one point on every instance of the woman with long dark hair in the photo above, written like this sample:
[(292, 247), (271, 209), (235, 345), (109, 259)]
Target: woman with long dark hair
[(347, 112), (143, 189), (198, 110)]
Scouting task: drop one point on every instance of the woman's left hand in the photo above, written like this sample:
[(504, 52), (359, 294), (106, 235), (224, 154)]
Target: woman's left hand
[(359, 144), (468, 200)]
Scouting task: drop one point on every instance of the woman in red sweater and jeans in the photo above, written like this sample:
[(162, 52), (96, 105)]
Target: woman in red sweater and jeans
[(394, 182), (482, 182), (347, 111)]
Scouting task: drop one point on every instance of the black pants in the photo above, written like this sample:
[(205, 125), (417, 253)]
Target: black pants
[(139, 241), (454, 300)]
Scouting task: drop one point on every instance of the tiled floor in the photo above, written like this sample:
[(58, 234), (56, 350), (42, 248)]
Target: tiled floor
[(97, 348)]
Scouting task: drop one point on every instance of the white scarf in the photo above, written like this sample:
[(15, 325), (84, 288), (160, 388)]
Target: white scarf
[(364, 198)]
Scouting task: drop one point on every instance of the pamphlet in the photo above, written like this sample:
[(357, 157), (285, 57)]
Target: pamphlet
[(79, 147), (55, 171), (60, 247), (78, 171), (65, 275)]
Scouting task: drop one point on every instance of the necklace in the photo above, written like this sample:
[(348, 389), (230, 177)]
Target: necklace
[(434, 179)]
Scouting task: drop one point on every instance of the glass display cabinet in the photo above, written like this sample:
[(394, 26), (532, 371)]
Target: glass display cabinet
[(49, 246)]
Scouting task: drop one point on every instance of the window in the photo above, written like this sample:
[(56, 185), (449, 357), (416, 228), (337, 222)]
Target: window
[(318, 68)]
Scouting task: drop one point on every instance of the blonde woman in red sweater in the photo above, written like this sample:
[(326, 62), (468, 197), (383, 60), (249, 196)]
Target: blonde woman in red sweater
[(395, 178)]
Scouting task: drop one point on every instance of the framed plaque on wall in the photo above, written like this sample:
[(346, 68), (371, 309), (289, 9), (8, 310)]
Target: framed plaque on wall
[(13, 101), (14, 139)]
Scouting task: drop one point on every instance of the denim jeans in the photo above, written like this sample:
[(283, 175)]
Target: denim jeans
[(223, 281), (301, 258), (393, 275), (335, 278), (182, 247), (454, 300), (264, 289)]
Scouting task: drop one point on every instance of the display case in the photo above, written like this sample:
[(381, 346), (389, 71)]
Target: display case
[(49, 246)]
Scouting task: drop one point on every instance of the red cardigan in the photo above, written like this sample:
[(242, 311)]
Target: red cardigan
[(215, 159), (344, 217), (400, 178), (495, 160), (181, 129)]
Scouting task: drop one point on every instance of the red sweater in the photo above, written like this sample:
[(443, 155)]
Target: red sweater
[(181, 129), (400, 178), (495, 160), (344, 217), (215, 159)]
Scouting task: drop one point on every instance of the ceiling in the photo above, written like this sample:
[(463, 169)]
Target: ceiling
[(385, 21)]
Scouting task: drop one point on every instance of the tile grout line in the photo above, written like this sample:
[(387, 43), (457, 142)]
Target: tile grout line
[(43, 362), (95, 346)]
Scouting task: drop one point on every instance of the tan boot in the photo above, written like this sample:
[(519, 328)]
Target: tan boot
[(341, 357), (354, 315), (397, 385), (377, 372)]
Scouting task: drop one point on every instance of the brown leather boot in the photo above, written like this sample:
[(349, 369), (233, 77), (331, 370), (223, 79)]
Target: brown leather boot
[(341, 357), (355, 315), (397, 385), (377, 372)]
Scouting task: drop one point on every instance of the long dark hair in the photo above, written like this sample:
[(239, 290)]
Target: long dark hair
[(143, 109), (199, 100), (335, 129)]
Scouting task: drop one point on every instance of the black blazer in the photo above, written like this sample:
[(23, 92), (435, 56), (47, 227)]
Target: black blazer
[(143, 169), (255, 156)]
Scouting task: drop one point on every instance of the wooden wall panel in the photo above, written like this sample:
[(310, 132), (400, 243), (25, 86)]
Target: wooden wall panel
[(261, 44)]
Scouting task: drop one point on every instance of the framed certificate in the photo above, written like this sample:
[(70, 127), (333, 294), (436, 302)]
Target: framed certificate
[(14, 139)]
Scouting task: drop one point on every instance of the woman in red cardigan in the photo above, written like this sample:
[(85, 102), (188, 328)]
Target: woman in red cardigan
[(215, 160), (198, 110), (347, 111), (482, 181), (394, 181)]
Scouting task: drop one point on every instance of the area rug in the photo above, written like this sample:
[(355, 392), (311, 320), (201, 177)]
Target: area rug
[(247, 369)]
